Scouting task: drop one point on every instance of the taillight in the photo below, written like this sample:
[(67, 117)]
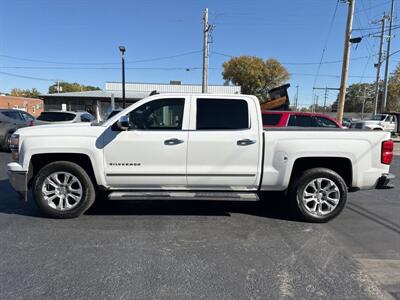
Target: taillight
[(387, 152)]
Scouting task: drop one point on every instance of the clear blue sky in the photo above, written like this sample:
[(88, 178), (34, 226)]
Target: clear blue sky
[(83, 31)]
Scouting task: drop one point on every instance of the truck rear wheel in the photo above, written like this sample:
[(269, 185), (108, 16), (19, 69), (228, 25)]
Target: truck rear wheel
[(318, 195), (63, 190)]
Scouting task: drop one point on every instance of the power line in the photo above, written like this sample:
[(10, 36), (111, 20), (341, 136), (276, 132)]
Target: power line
[(26, 77), (99, 63), (164, 57), (372, 28), (371, 7), (377, 32), (305, 63), (331, 75), (326, 42), (99, 68)]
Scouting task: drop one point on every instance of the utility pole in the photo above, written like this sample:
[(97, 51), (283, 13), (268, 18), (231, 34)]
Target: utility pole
[(346, 59), (378, 65), (364, 101), (297, 97), (206, 30), (386, 82), (326, 89)]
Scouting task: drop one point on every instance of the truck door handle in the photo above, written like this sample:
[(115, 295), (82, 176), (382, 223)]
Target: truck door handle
[(171, 142), (245, 142)]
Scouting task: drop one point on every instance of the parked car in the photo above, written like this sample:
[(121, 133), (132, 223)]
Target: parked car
[(66, 116), (346, 122), (386, 122), (10, 121), (297, 119), (196, 147)]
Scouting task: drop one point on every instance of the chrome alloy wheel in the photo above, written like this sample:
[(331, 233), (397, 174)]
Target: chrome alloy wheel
[(321, 196), (62, 191)]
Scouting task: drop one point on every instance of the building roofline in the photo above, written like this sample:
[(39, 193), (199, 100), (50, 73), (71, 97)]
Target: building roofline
[(183, 84)]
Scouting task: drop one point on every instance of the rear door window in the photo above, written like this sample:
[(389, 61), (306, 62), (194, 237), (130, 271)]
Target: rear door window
[(271, 119), (325, 122), (302, 121), (222, 114)]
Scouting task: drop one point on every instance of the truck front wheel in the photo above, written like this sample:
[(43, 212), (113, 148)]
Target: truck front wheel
[(63, 190), (318, 195)]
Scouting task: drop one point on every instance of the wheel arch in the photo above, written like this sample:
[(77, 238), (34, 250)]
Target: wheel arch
[(38, 161), (341, 165)]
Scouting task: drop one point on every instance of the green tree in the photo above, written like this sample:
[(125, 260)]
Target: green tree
[(355, 95), (28, 93), (393, 100), (255, 75), (66, 87)]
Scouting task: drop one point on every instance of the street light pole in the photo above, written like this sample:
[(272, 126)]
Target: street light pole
[(122, 50)]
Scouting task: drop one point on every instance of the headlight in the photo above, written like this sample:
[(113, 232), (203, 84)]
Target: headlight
[(14, 146)]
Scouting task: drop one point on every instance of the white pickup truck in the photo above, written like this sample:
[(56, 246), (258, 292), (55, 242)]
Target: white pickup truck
[(196, 147), (387, 122)]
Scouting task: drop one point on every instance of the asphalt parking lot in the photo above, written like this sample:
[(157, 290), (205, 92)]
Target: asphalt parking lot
[(177, 250)]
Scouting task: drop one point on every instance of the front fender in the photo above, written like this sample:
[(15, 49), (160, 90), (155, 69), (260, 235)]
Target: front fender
[(72, 145)]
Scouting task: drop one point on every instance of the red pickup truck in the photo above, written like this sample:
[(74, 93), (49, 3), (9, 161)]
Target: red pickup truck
[(297, 119)]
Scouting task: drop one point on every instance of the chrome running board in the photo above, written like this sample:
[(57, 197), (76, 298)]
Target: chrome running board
[(178, 195)]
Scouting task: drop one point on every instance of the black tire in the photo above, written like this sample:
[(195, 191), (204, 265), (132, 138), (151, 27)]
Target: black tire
[(6, 146), (88, 190), (298, 185)]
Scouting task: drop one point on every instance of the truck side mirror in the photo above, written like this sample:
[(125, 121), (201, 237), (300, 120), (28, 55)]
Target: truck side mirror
[(123, 123)]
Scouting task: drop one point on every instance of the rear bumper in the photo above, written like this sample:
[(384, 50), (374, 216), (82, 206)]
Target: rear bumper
[(384, 180), (18, 180)]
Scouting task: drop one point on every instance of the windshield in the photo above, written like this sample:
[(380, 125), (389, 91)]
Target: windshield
[(379, 117), (56, 116)]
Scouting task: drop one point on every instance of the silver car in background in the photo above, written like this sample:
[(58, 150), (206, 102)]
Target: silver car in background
[(10, 121)]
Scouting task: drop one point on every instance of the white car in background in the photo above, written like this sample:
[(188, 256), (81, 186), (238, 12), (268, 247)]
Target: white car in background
[(66, 117)]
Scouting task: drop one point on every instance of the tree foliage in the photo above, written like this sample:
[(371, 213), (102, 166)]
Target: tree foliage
[(355, 95), (255, 75), (393, 100), (66, 87), (28, 93)]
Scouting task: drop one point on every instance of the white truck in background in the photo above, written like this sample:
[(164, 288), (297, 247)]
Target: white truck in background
[(195, 147), (386, 122)]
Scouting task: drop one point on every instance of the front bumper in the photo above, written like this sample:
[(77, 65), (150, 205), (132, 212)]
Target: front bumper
[(18, 180), (383, 181)]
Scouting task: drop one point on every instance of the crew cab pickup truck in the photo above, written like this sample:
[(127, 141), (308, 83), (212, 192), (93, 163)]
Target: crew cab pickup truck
[(195, 147)]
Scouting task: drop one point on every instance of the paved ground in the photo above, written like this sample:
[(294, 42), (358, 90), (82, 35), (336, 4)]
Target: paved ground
[(178, 250)]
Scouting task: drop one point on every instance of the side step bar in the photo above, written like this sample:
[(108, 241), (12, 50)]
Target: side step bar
[(205, 196)]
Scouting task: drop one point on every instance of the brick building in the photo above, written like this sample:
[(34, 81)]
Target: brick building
[(30, 105)]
